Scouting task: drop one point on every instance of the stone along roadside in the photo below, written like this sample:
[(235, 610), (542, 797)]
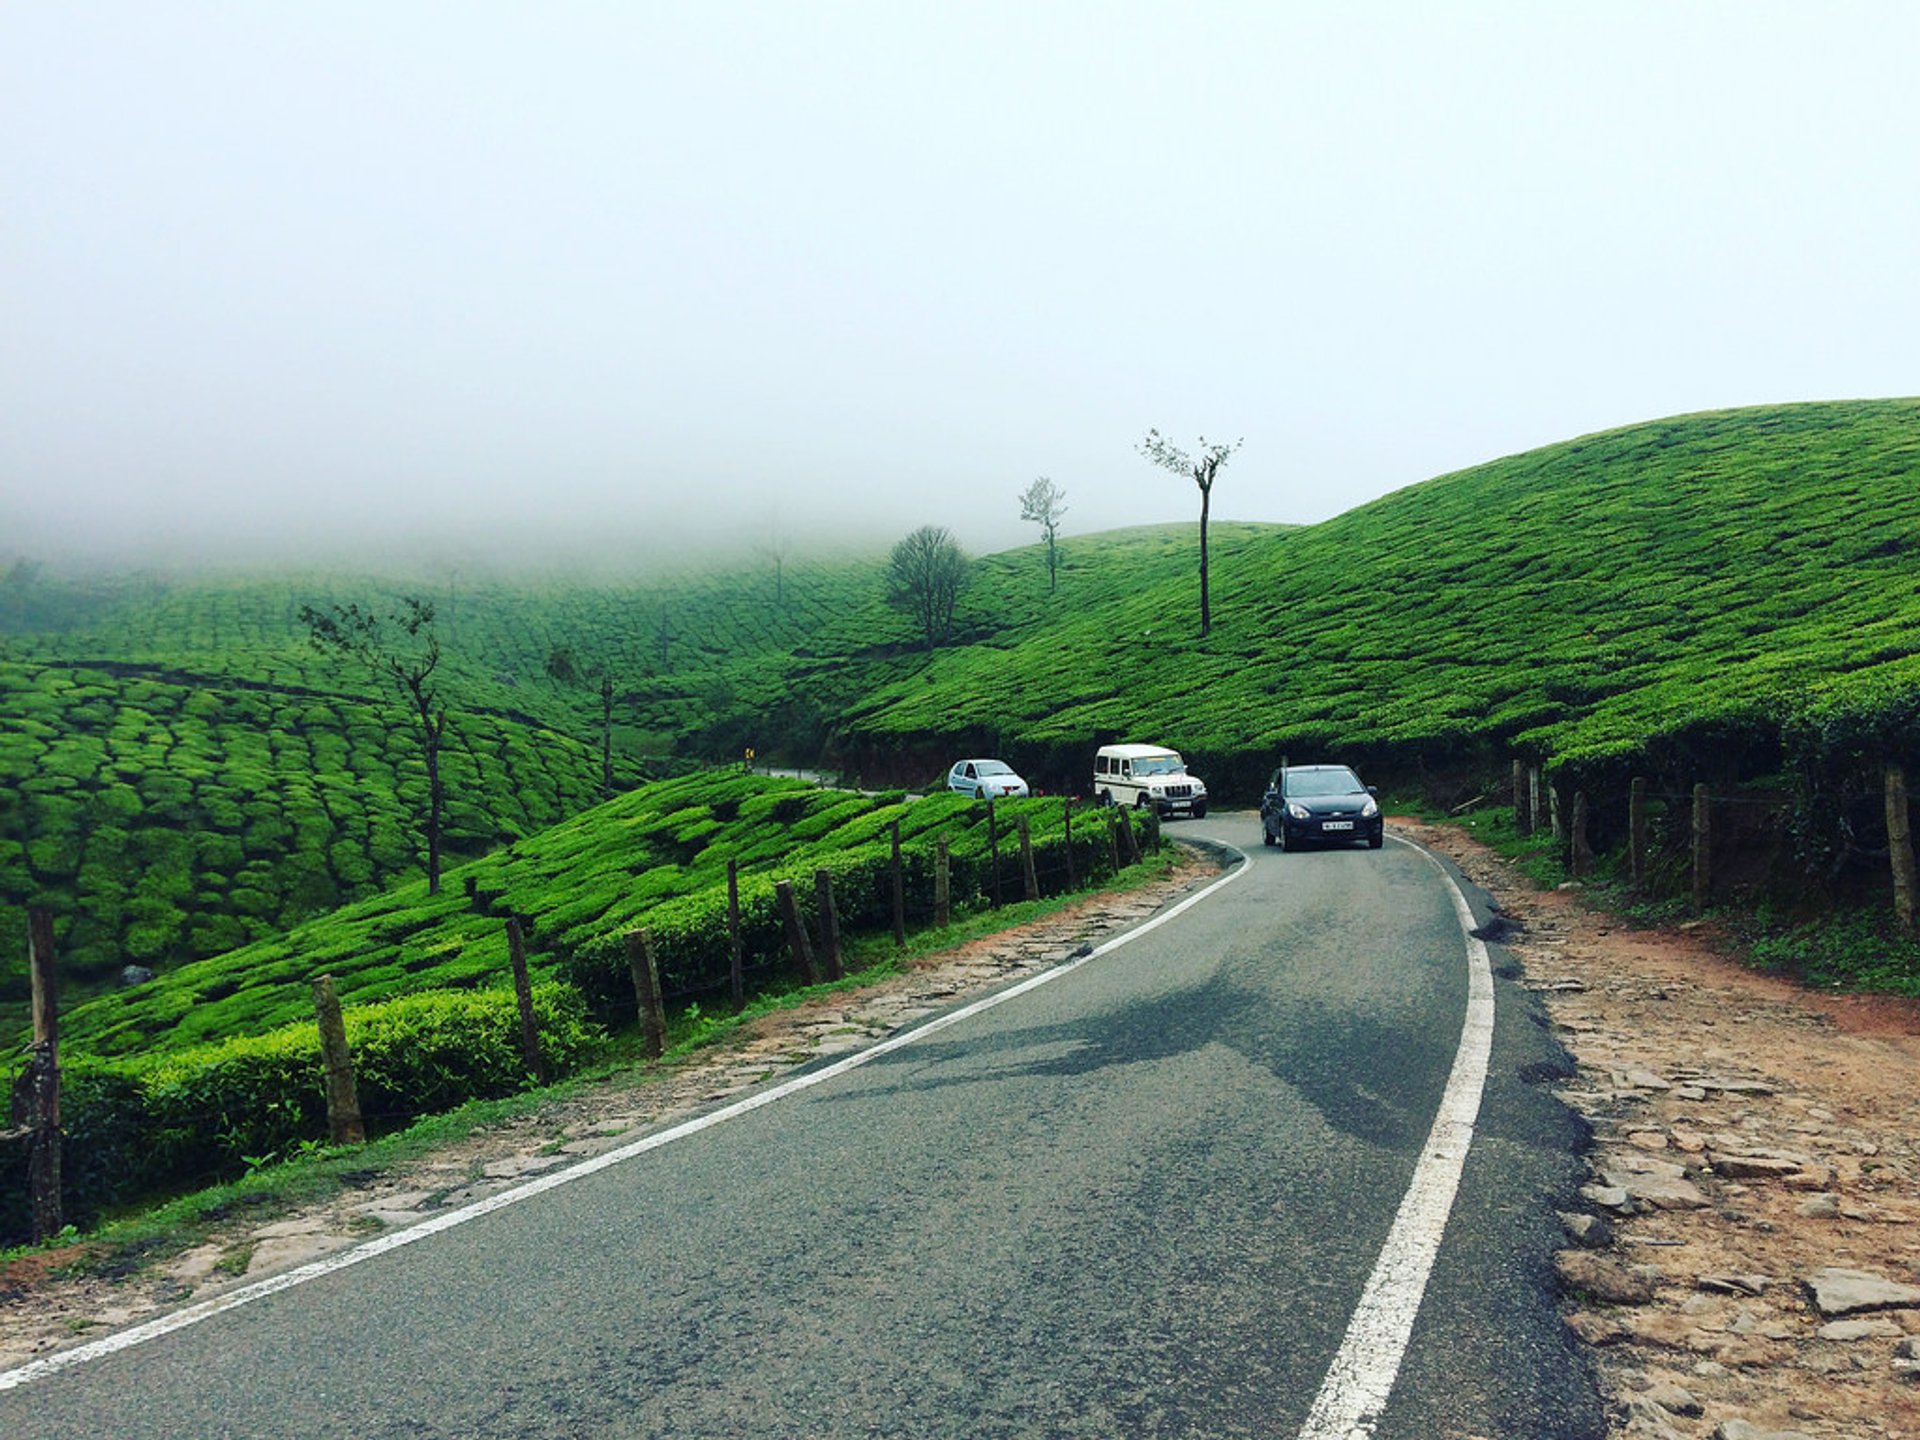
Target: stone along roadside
[(1746, 1257)]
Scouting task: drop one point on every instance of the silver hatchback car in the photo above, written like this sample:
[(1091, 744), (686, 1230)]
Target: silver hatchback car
[(985, 779)]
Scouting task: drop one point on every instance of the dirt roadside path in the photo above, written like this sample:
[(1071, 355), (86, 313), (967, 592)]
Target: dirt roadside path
[(1747, 1259), (1747, 1264)]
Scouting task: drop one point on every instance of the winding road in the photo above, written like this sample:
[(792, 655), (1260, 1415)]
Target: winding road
[(1283, 1162)]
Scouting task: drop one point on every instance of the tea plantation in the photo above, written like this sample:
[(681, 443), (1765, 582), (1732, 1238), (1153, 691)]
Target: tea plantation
[(189, 785), (1667, 596), (656, 858)]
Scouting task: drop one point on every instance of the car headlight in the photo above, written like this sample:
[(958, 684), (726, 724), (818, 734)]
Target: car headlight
[(1371, 808), (1298, 811)]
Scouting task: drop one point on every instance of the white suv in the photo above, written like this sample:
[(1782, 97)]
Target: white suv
[(1147, 776)]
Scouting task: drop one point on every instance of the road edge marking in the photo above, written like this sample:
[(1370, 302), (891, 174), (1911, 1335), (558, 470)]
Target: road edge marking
[(107, 1345), (1354, 1394)]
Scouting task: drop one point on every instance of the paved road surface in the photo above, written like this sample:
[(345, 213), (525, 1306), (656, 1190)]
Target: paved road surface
[(1143, 1199)]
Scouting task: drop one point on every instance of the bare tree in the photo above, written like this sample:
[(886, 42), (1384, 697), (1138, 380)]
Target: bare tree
[(777, 548), (402, 649), (1044, 502), (925, 576), (1202, 470), (606, 734)]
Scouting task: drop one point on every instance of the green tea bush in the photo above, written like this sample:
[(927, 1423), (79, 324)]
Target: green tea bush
[(139, 1128)]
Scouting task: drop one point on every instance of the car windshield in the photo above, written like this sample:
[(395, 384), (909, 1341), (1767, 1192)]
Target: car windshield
[(1337, 781), (1158, 765), (992, 767)]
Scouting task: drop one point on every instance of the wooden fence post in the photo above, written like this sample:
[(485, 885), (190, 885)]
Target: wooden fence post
[(1522, 808), (345, 1125), (829, 924), (1702, 847), (1637, 830), (942, 884), (43, 1155), (646, 992), (1900, 845), (1555, 818), (523, 991), (1153, 829), (1114, 822), (1066, 811), (1581, 852), (737, 973), (1536, 801), (899, 891), (993, 852), (796, 932), (1129, 842), (1027, 872)]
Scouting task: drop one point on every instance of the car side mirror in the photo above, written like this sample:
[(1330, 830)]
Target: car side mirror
[(1373, 790)]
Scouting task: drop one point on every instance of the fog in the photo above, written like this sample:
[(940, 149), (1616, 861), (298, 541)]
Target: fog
[(645, 280)]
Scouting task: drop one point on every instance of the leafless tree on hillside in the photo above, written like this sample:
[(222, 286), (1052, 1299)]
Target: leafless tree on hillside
[(1201, 470), (402, 649)]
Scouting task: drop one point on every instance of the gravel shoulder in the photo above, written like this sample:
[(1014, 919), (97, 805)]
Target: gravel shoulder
[(1746, 1265)]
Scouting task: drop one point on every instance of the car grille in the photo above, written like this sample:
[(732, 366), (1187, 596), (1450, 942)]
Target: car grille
[(1179, 792)]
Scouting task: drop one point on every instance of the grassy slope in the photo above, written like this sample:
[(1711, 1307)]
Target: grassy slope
[(1583, 599), (181, 773), (603, 872), (1601, 598)]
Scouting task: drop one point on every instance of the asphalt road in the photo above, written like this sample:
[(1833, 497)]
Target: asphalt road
[(1143, 1199)]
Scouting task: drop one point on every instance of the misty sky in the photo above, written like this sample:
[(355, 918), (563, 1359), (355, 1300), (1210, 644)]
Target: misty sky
[(648, 274)]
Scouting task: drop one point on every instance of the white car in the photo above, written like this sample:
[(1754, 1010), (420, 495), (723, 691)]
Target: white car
[(985, 779), (1147, 777)]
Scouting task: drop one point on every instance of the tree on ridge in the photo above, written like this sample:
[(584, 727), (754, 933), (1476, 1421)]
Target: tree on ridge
[(925, 575), (1201, 471), (402, 649), (1044, 502)]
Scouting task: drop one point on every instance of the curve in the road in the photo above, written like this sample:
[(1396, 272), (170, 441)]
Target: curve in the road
[(246, 1295), (1363, 1373)]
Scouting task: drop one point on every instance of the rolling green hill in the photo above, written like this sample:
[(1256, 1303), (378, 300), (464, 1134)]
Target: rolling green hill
[(1721, 596), (181, 773), (1667, 595)]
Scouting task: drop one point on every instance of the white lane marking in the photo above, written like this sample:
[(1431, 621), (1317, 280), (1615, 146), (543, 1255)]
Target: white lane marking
[(1361, 1377), (259, 1290)]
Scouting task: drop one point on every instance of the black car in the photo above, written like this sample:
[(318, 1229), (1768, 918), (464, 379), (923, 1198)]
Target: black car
[(1326, 804)]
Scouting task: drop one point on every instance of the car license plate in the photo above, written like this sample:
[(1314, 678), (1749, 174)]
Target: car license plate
[(1337, 825)]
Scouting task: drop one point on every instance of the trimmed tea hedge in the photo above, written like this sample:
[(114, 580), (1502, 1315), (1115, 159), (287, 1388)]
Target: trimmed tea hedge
[(138, 1128)]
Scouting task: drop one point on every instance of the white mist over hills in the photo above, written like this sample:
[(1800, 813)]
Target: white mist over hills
[(648, 279)]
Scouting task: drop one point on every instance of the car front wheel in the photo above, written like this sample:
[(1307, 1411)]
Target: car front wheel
[(1200, 810)]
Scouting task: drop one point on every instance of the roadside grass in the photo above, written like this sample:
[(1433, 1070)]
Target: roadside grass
[(127, 1244)]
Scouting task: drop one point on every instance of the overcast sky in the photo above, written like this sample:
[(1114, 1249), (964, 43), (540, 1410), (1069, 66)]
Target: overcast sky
[(648, 273)]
